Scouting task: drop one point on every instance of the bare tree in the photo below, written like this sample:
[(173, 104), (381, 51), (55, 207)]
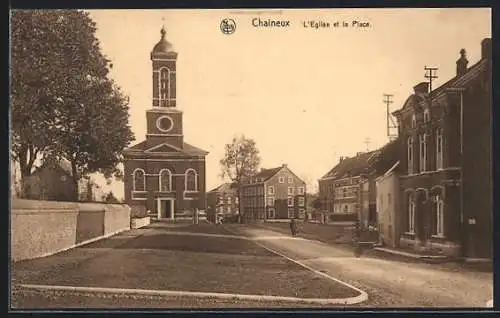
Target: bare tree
[(241, 160)]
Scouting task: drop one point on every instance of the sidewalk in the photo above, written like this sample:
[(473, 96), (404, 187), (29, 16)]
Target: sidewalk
[(407, 254), (483, 265)]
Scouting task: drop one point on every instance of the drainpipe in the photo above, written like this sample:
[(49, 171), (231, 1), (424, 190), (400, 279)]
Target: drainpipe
[(460, 90)]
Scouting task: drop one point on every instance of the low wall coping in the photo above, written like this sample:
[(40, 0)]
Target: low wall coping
[(22, 206)]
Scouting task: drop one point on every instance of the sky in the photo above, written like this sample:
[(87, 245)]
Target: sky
[(306, 96)]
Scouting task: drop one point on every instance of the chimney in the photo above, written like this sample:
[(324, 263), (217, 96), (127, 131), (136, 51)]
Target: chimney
[(421, 88), (462, 63), (284, 165), (486, 48)]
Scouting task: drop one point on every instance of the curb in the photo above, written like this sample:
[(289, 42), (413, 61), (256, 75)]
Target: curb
[(363, 296), (410, 255), (141, 293), (64, 249)]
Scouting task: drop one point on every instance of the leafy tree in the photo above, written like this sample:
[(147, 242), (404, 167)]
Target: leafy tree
[(317, 203), (241, 160), (110, 198), (63, 103)]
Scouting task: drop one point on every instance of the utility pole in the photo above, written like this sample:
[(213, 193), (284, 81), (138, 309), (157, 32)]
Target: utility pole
[(391, 124), (431, 75), (367, 143)]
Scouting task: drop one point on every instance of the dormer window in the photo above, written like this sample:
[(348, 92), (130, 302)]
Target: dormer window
[(413, 121)]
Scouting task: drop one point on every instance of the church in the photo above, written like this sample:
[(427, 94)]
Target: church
[(163, 175)]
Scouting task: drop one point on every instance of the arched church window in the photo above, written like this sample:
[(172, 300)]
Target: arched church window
[(191, 180), (139, 180), (164, 84), (165, 180)]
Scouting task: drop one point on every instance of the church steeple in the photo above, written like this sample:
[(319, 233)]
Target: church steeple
[(164, 61), (164, 120)]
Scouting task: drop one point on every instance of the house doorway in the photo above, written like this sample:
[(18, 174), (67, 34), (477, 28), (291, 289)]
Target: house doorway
[(165, 208)]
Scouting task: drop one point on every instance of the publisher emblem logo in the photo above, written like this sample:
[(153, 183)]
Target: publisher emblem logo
[(228, 26)]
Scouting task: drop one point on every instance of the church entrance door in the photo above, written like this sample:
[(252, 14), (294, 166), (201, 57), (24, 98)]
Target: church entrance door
[(165, 208)]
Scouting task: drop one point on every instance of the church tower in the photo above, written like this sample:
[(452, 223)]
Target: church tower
[(164, 176), (164, 120)]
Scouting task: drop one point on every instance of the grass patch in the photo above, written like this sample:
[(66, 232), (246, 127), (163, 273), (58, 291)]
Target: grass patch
[(160, 261)]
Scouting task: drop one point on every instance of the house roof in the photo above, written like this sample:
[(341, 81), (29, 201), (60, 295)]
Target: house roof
[(352, 166), (456, 82), (228, 186), (62, 164), (376, 161), (266, 174)]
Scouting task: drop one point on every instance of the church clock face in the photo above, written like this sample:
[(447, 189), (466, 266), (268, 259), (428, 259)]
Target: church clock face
[(164, 123)]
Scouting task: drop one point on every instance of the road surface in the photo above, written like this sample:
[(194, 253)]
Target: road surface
[(388, 283)]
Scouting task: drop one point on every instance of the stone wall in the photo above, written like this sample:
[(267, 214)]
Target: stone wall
[(42, 228)]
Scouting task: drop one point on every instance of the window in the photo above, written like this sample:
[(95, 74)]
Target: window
[(439, 149), (302, 213), (344, 192), (191, 180), (423, 153), (290, 201), (281, 179), (290, 179), (290, 190), (139, 178), (290, 213), (270, 190), (228, 209), (300, 190), (439, 216), (302, 201), (411, 215), (427, 115), (389, 198), (270, 201), (413, 121), (271, 213), (346, 208), (164, 85), (228, 200), (410, 155), (165, 180)]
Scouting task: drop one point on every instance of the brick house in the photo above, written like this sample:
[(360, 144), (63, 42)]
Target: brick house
[(275, 193), (164, 174), (446, 186), (222, 201), (348, 189)]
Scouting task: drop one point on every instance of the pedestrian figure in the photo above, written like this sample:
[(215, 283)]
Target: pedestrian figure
[(293, 227), (358, 250)]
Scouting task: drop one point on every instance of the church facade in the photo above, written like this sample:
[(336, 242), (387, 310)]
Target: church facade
[(163, 175)]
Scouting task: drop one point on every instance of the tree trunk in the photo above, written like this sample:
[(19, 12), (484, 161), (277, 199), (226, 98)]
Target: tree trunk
[(239, 204), (75, 179), (26, 158)]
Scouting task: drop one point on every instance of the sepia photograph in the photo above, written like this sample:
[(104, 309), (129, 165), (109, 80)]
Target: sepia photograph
[(262, 159)]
